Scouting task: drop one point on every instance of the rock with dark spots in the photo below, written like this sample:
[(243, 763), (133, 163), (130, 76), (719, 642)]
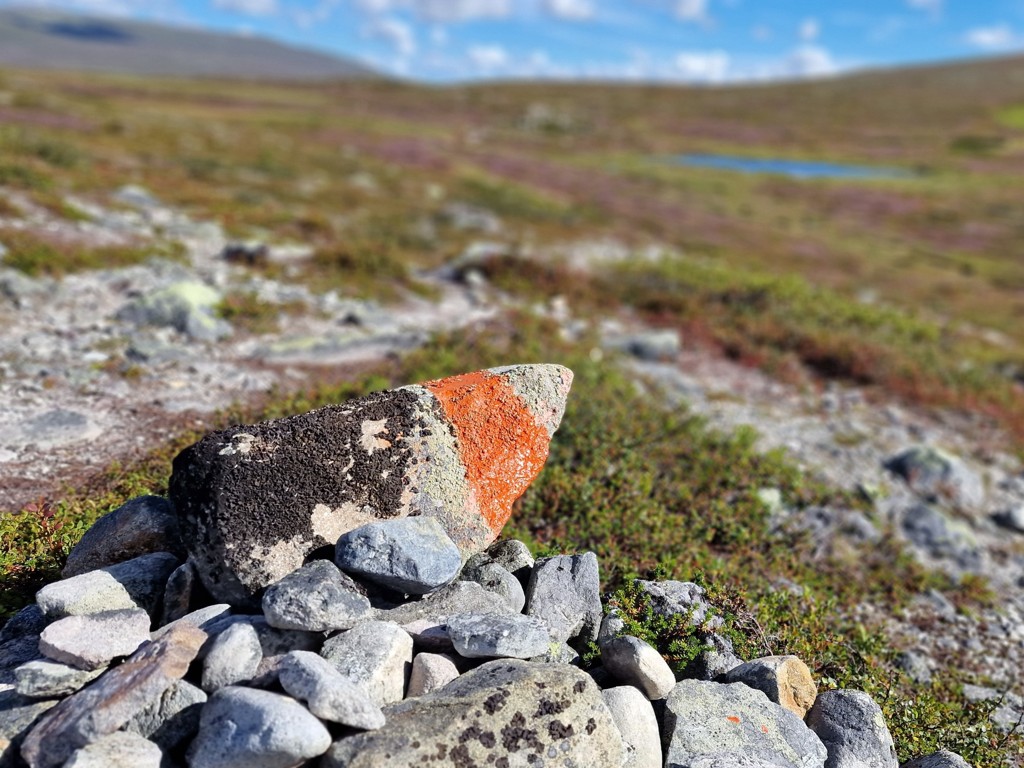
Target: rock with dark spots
[(786, 680), (705, 720), (514, 556), (327, 693), (413, 555), (233, 658), (851, 726), (635, 662), (17, 715), (27, 622), (496, 635), (503, 713), (316, 598), (936, 476), (376, 655), (457, 597), (634, 717), (44, 679), (494, 578), (254, 501), (565, 593), (172, 719), (118, 750), (13, 654), (246, 728), (94, 640), (181, 586), (431, 671), (141, 526), (941, 759), (136, 583), (111, 701)]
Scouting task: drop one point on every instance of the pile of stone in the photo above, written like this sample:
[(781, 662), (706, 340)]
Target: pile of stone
[(327, 590)]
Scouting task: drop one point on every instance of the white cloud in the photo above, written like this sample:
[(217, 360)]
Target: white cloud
[(761, 32), (395, 33), (932, 6), (809, 30), (99, 7), (321, 12), (810, 61), (994, 38), (248, 7), (574, 10), (705, 67), (692, 10), (487, 58), (442, 11)]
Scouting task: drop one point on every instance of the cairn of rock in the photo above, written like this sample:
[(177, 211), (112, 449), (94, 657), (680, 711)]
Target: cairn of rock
[(326, 590)]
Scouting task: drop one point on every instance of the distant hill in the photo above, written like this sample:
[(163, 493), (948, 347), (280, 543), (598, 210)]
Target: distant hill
[(41, 39)]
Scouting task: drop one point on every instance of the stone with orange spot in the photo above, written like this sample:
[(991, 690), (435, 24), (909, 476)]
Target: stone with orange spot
[(254, 501)]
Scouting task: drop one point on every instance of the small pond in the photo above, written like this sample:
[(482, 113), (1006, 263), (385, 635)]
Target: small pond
[(798, 169)]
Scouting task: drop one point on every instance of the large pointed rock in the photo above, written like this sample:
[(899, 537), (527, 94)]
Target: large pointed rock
[(255, 500)]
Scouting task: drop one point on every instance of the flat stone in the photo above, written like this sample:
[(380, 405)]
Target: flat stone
[(246, 728), (851, 726), (27, 622), (213, 619), (559, 653), (941, 759), (412, 555), (44, 679), (514, 556), (429, 635), (327, 693), (936, 476), (254, 501), (494, 578), (14, 653), (637, 663), (187, 306), (376, 655), (172, 719), (501, 713), (431, 671), (94, 640), (495, 635), (705, 720), (112, 700), (457, 597), (1012, 519), (181, 585), (234, 657), (118, 750), (786, 680), (316, 598), (565, 593), (141, 526), (939, 536), (634, 717), (17, 715), (136, 583)]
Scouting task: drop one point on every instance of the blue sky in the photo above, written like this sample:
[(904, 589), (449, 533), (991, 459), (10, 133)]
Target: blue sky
[(675, 40)]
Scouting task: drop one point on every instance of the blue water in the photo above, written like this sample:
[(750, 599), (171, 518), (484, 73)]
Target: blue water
[(798, 169)]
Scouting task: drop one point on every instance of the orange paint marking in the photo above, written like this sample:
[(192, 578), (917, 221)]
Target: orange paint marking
[(764, 729), (500, 442), (733, 719)]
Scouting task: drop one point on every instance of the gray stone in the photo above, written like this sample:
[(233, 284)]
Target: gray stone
[(94, 640), (612, 626), (786, 680), (178, 593), (136, 583), (494, 578), (110, 702), (233, 658), (941, 759), (500, 713), (653, 345), (514, 556), (327, 693), (634, 717), (187, 306), (118, 750), (1012, 519), (413, 555), (559, 653), (940, 537), (732, 760), (679, 598), (141, 526), (52, 429), (851, 726), (48, 679), (27, 622), (246, 728), (565, 593), (495, 635), (317, 598), (457, 597), (711, 720), (936, 476), (374, 654), (17, 715), (429, 635), (635, 662), (172, 719), (13, 654), (917, 666), (213, 619), (431, 671)]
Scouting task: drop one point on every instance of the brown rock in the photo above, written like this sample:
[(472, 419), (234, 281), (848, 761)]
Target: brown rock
[(784, 679)]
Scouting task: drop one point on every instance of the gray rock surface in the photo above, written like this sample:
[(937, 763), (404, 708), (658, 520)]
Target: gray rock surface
[(376, 655), (1012, 519), (233, 658), (637, 663), (17, 714), (559, 653), (212, 619), (327, 693), (851, 726), (27, 622), (514, 556), (506, 712), (317, 598), (494, 578), (941, 759), (786, 680), (431, 671), (246, 728), (429, 635), (110, 702), (940, 537), (612, 626), (173, 718), (118, 750), (45, 679), (135, 583), (413, 555), (565, 593), (711, 720), (141, 526), (634, 717), (178, 593), (495, 635), (94, 640), (457, 597), (937, 476), (187, 306)]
